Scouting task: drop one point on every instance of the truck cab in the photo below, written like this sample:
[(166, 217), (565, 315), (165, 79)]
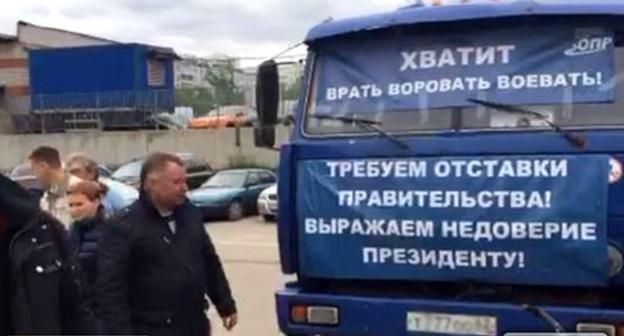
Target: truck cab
[(454, 170)]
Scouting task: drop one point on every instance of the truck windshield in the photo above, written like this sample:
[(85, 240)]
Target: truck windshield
[(420, 84)]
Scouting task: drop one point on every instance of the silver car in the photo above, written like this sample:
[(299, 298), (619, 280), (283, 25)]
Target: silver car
[(267, 203)]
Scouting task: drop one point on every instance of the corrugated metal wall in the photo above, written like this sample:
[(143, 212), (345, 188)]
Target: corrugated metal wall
[(100, 68), (97, 86), (86, 69)]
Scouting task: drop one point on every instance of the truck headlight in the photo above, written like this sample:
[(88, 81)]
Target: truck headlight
[(314, 315)]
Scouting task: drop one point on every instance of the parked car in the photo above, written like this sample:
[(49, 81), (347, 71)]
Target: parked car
[(128, 193), (167, 121), (225, 116), (198, 171), (24, 175), (232, 193), (129, 173), (267, 203), (104, 172)]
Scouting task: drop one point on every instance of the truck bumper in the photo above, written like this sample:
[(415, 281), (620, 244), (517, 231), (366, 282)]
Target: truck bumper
[(373, 316)]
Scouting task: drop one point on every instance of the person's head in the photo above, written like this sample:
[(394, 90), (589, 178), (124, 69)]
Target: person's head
[(83, 167), (163, 179), (85, 199), (46, 163)]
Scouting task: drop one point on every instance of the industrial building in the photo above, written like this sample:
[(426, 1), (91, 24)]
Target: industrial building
[(54, 80)]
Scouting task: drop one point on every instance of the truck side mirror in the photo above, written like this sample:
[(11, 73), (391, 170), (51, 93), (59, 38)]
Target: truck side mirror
[(267, 102), (264, 136), (267, 93)]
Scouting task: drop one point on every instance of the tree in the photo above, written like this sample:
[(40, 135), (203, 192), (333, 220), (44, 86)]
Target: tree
[(293, 90), (221, 89), (200, 99), (221, 80)]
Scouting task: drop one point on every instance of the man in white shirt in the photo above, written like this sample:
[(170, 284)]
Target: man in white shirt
[(46, 164)]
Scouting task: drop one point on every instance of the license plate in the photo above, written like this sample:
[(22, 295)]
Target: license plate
[(451, 324)]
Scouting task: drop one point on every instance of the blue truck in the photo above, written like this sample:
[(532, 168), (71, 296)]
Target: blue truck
[(454, 170), (105, 86)]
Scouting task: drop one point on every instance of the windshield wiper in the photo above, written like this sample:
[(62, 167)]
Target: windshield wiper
[(370, 125), (577, 140)]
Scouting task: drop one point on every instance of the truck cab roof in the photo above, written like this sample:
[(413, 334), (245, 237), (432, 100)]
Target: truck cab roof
[(421, 14)]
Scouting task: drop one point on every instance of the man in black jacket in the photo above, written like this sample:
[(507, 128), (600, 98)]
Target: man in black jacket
[(157, 263), (40, 290)]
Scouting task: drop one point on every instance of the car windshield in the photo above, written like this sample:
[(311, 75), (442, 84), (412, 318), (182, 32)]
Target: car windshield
[(132, 169), (21, 170), (226, 180), (419, 83)]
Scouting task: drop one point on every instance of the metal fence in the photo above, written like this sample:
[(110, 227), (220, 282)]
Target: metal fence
[(240, 98), (15, 104), (88, 111), (148, 109), (154, 100)]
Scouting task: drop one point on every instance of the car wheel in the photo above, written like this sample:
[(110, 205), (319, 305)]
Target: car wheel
[(269, 218), (235, 211)]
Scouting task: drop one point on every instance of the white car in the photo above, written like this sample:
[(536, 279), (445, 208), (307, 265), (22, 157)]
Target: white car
[(267, 203)]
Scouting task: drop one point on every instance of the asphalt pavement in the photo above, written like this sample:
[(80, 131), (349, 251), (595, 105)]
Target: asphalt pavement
[(249, 252)]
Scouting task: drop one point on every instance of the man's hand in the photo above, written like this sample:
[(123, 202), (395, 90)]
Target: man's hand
[(229, 322)]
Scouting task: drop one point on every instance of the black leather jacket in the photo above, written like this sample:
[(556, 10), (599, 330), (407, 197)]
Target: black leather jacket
[(152, 281), (42, 285)]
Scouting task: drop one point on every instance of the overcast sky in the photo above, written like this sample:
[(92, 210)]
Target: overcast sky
[(256, 28)]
